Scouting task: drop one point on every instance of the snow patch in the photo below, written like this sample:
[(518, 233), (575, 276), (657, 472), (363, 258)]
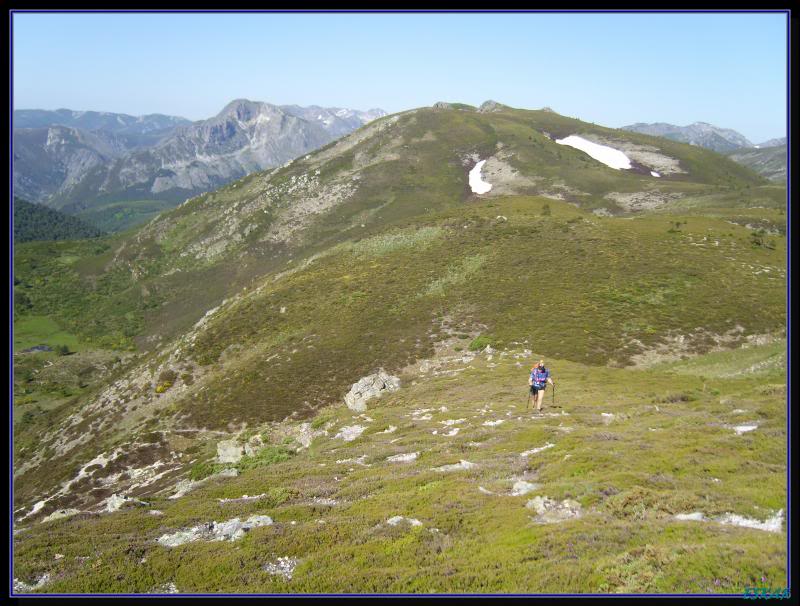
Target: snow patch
[(476, 183), (602, 153)]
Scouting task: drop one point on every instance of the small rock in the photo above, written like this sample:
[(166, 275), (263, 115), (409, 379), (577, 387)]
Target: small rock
[(696, 516), (115, 502), (535, 450), (60, 513), (522, 487), (394, 521), (461, 465), (549, 511), (229, 451), (350, 433), (403, 458), (283, 566)]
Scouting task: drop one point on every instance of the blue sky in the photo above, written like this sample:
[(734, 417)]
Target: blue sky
[(613, 69)]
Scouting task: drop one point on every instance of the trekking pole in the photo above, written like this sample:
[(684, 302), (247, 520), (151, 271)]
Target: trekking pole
[(554, 394)]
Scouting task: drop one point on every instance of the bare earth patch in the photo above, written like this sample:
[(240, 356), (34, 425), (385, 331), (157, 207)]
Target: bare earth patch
[(642, 200)]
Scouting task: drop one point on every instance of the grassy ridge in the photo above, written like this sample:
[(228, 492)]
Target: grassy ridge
[(576, 286)]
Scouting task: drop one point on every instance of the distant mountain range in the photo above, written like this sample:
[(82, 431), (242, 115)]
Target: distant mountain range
[(767, 158), (769, 161), (700, 133), (79, 161), (773, 143)]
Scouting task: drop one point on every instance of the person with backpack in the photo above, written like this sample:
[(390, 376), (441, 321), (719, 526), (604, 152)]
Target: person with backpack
[(540, 377)]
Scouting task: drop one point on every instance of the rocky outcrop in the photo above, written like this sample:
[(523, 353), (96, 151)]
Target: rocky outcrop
[(370, 387), (491, 106), (231, 530)]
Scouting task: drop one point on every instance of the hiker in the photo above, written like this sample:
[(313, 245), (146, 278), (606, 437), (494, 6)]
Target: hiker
[(538, 381)]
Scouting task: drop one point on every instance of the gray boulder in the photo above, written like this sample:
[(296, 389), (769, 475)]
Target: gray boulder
[(370, 387)]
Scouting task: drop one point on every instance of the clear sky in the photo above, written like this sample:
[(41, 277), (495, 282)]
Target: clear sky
[(612, 69)]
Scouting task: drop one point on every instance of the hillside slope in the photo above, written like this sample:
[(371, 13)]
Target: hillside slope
[(260, 304), (451, 484)]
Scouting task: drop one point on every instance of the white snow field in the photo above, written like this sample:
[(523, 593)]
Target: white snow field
[(476, 183), (602, 153)]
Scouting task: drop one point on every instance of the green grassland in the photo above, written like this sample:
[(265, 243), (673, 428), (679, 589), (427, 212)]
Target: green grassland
[(666, 451), (42, 330)]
